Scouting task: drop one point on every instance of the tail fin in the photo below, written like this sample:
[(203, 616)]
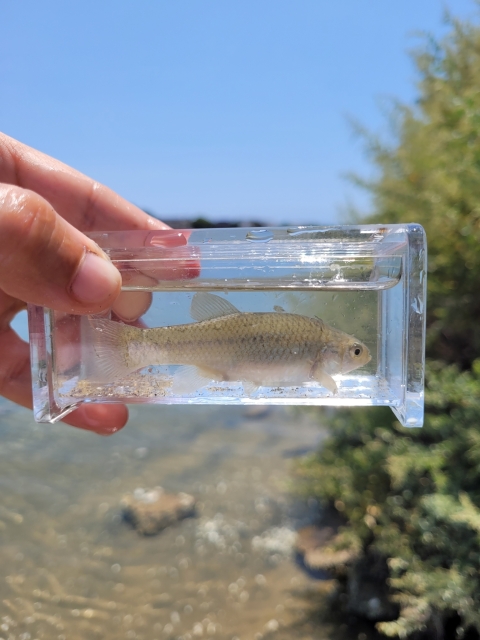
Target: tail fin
[(108, 358)]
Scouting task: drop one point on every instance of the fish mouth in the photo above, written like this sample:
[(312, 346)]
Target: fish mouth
[(353, 366)]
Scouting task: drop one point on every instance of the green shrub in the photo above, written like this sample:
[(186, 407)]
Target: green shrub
[(430, 174), (412, 496)]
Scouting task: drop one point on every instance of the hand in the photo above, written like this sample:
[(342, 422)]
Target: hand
[(45, 259)]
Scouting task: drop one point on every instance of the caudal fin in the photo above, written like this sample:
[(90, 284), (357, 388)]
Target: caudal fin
[(107, 359)]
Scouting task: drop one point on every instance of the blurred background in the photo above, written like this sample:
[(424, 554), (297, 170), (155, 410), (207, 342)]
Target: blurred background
[(224, 110), (308, 525)]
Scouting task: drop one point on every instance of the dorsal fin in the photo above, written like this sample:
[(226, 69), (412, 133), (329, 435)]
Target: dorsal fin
[(206, 306)]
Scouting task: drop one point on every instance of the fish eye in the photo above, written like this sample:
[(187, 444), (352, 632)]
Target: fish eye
[(356, 350)]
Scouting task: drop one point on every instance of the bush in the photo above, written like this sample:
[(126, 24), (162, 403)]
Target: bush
[(430, 174), (412, 497)]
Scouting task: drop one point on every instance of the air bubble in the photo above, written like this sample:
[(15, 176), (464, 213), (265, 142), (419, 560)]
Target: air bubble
[(259, 235)]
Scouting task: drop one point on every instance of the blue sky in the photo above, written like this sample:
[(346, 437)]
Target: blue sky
[(232, 109)]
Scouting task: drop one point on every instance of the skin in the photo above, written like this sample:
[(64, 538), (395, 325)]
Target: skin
[(44, 208)]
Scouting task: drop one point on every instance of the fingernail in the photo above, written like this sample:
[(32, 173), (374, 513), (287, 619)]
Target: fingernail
[(96, 280)]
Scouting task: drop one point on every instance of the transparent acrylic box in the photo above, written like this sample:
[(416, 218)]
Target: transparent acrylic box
[(303, 316)]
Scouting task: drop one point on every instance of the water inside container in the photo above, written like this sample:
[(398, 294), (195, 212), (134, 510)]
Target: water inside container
[(346, 316), (366, 281)]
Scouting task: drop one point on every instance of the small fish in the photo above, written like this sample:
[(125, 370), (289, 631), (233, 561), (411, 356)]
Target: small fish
[(258, 349)]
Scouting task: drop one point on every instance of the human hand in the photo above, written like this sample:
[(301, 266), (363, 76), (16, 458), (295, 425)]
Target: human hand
[(45, 259)]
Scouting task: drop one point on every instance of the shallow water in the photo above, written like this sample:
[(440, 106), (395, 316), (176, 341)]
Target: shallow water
[(71, 568)]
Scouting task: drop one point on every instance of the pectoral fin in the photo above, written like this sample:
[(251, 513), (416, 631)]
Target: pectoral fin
[(188, 379), (325, 380)]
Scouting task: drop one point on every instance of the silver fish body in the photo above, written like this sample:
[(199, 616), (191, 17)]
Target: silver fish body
[(257, 349)]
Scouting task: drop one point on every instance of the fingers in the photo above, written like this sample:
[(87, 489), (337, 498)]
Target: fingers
[(178, 262), (15, 376), (86, 204), (104, 419), (16, 383), (46, 261), (131, 305)]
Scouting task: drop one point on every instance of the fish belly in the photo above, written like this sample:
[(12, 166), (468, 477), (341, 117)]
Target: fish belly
[(270, 375), (231, 349)]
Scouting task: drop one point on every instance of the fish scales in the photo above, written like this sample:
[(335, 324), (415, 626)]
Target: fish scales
[(257, 349), (255, 337)]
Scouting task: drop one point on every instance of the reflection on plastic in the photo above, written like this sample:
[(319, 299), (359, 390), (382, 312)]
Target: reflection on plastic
[(257, 306)]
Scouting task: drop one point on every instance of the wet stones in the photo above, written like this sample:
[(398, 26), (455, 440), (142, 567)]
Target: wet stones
[(315, 545), (150, 511), (367, 594)]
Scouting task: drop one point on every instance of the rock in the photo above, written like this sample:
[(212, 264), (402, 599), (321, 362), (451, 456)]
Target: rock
[(367, 590), (314, 545), (327, 560), (312, 537), (152, 510)]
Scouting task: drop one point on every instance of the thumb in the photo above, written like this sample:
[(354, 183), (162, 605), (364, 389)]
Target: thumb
[(46, 261)]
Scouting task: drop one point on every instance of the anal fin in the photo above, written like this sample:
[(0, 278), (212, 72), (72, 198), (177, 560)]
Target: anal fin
[(250, 387)]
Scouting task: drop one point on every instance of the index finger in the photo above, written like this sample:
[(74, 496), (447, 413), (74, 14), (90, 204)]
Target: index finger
[(85, 203)]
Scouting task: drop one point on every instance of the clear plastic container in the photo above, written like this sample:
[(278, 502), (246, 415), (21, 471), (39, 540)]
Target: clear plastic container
[(304, 316)]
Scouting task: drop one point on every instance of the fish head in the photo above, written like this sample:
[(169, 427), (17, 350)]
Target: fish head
[(343, 353), (354, 355)]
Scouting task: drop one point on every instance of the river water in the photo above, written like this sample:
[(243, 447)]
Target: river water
[(72, 569)]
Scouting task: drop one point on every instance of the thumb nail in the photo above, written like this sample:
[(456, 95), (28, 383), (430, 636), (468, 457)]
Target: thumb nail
[(96, 280)]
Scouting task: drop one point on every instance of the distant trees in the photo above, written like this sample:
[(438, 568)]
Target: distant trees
[(412, 497), (431, 174)]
